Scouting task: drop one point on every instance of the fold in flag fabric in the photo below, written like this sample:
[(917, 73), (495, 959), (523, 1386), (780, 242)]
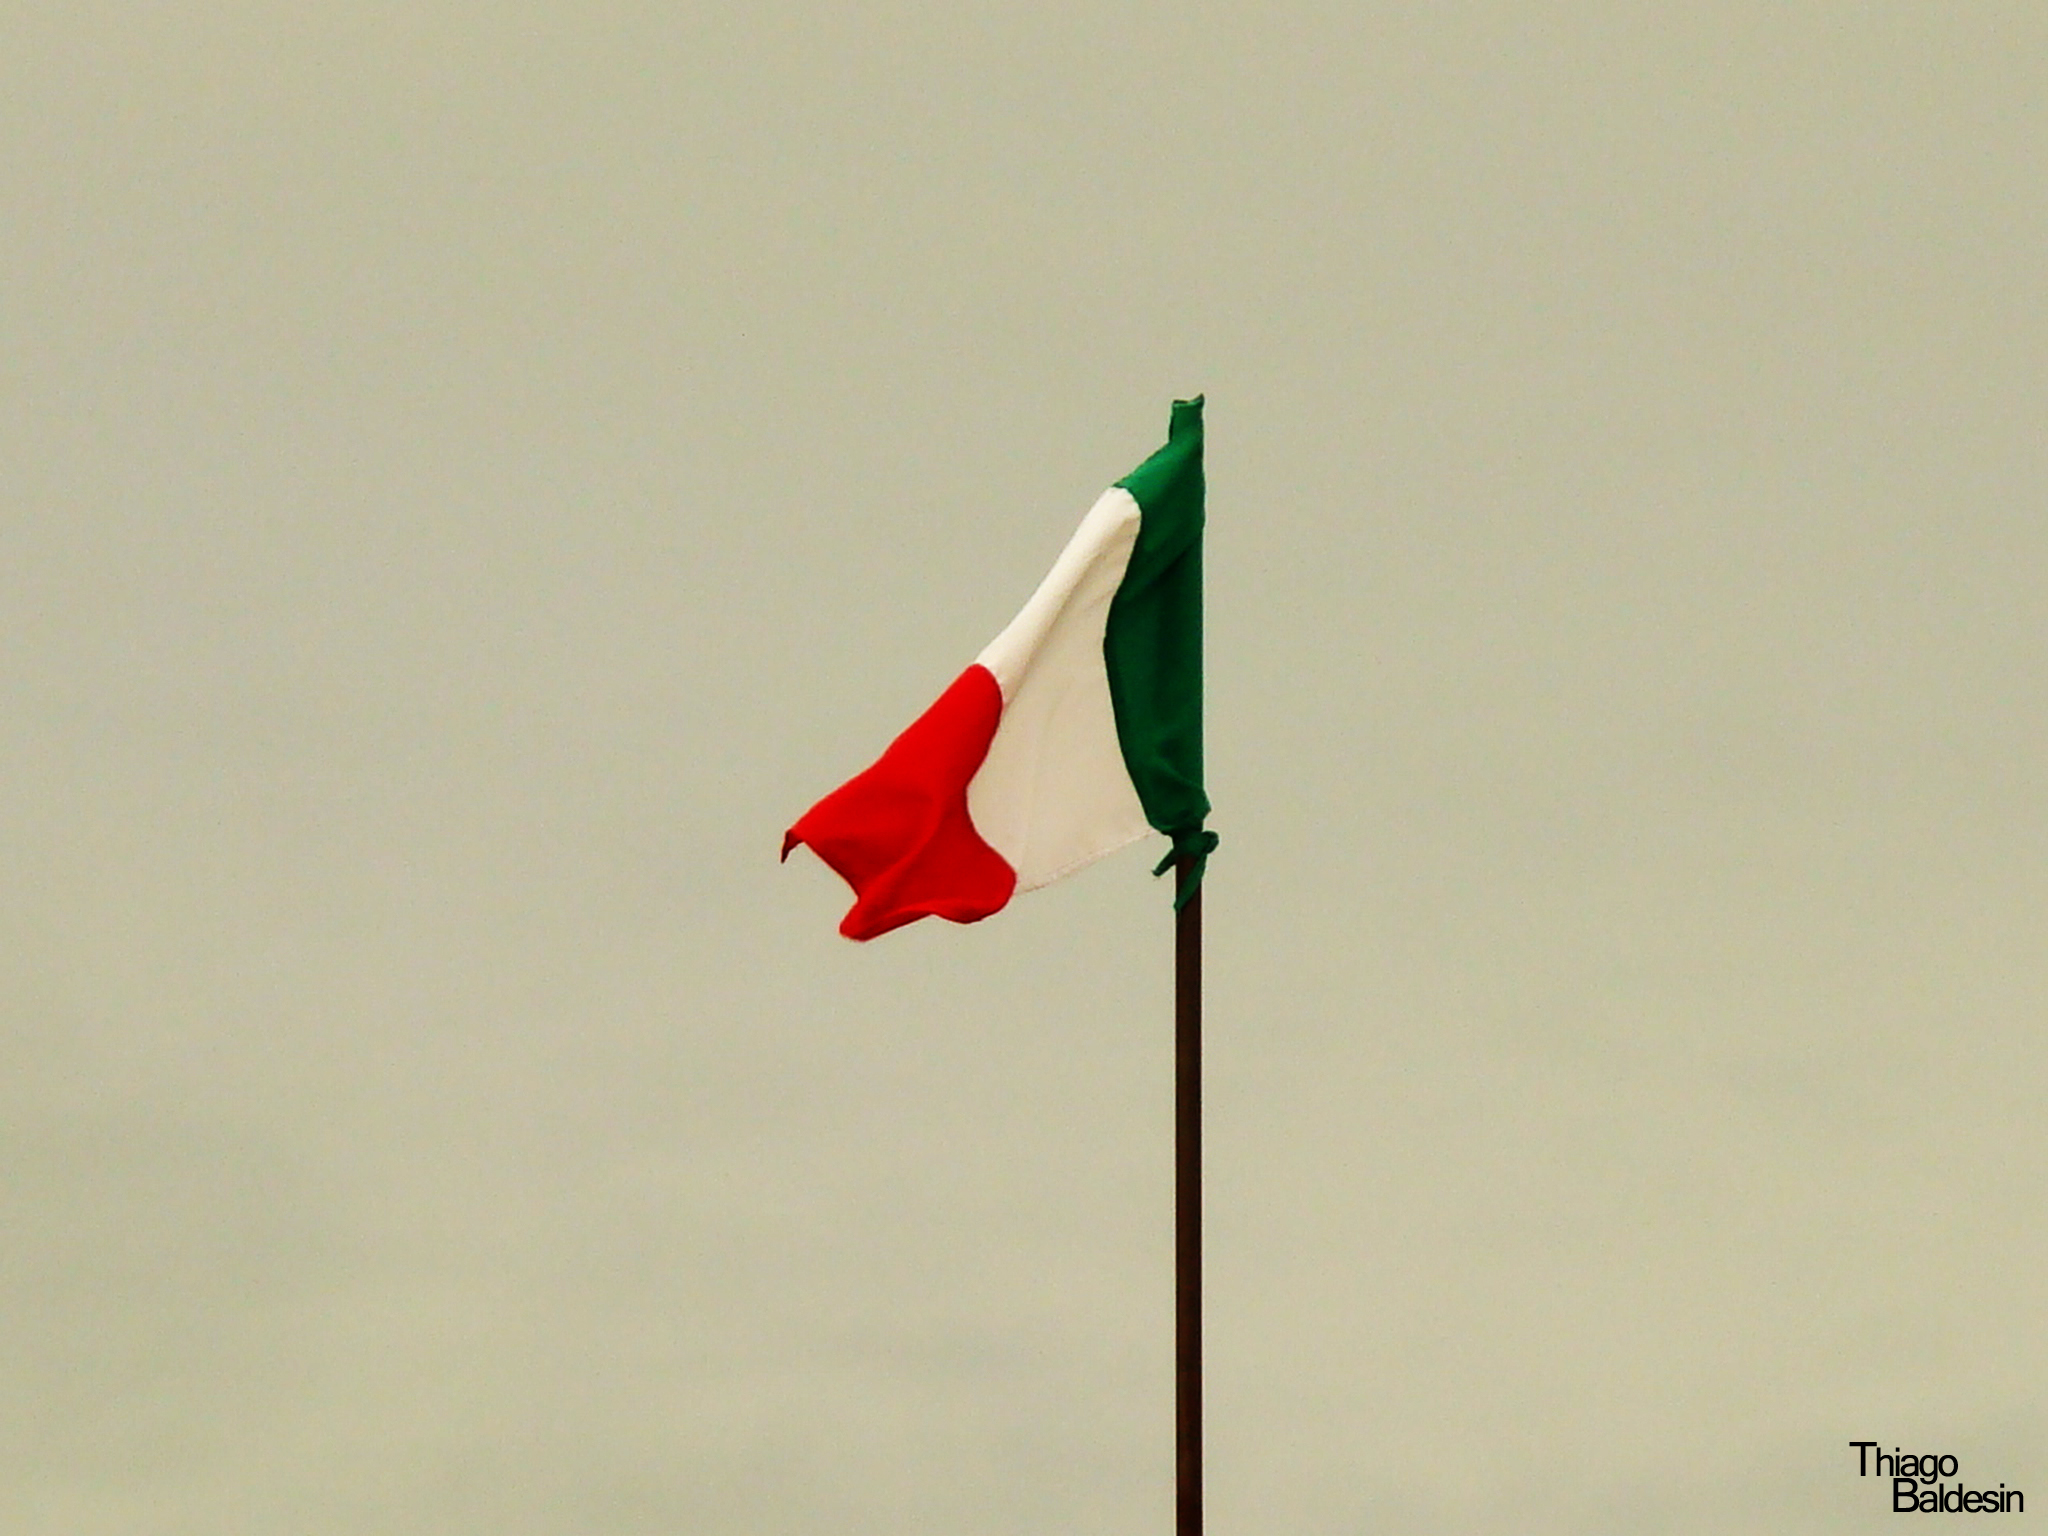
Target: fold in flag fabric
[(1077, 729)]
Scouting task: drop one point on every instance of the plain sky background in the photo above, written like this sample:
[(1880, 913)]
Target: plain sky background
[(471, 475)]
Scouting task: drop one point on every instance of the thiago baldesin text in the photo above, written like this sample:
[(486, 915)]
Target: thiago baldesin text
[(1917, 1486)]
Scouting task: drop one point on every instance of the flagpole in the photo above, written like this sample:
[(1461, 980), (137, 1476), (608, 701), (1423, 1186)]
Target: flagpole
[(1187, 1202)]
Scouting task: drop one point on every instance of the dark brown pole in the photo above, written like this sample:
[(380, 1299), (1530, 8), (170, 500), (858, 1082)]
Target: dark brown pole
[(1187, 1205)]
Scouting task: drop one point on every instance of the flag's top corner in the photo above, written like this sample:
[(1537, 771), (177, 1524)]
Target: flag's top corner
[(1169, 486)]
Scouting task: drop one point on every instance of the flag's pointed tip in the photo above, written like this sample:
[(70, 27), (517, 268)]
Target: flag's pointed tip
[(789, 842)]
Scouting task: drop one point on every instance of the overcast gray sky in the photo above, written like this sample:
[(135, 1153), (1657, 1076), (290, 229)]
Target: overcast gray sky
[(471, 475)]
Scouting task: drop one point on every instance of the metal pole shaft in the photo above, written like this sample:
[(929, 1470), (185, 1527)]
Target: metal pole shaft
[(1187, 1205)]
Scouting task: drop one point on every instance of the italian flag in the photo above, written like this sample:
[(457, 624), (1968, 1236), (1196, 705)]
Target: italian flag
[(1077, 730)]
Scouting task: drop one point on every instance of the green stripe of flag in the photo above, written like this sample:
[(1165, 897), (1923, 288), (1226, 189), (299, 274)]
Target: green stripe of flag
[(1153, 643)]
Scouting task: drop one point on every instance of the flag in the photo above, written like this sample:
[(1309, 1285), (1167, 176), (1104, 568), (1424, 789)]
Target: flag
[(1077, 730)]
